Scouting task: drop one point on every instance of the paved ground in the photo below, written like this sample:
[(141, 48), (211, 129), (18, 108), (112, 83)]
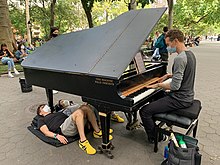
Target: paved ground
[(19, 147)]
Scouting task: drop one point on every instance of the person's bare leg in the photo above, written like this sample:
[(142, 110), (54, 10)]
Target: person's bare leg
[(78, 118), (89, 114)]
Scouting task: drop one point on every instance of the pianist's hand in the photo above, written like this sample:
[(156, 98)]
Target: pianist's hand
[(153, 86)]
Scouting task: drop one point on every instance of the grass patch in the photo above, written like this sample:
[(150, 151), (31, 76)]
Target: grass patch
[(4, 68)]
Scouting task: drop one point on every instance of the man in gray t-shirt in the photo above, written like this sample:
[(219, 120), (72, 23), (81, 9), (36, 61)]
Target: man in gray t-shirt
[(181, 86)]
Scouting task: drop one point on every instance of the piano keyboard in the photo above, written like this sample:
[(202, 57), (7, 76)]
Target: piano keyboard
[(143, 95), (139, 95)]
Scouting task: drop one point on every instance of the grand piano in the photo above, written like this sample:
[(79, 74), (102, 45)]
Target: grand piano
[(103, 66)]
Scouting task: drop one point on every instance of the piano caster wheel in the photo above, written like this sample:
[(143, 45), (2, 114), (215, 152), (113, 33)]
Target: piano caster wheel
[(112, 147), (100, 150), (106, 151), (109, 155)]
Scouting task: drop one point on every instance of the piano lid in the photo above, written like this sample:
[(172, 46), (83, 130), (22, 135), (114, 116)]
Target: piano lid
[(104, 51)]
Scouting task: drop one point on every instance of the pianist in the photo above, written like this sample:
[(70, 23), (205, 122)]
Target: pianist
[(58, 125), (181, 87)]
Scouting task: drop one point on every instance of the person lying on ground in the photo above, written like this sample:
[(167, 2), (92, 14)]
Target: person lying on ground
[(58, 125)]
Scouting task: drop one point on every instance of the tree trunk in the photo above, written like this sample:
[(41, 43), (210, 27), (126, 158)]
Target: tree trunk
[(28, 22), (89, 18), (52, 12), (5, 22), (87, 6), (170, 13), (133, 5)]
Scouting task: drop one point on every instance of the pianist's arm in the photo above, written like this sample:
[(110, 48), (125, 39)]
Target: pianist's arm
[(165, 77), (48, 133)]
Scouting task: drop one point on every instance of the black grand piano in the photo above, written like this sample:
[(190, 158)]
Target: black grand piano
[(103, 65)]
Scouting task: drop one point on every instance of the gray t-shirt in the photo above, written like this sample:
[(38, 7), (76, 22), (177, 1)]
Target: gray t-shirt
[(182, 84)]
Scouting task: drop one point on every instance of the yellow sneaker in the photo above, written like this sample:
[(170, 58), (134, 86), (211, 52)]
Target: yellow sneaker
[(86, 147), (99, 135), (117, 118), (110, 130)]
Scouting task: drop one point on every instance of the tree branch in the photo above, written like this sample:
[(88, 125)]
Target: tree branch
[(200, 19)]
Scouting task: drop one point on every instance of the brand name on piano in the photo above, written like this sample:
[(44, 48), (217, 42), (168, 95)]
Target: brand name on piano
[(104, 81)]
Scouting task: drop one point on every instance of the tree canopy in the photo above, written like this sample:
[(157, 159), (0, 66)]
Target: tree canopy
[(193, 17)]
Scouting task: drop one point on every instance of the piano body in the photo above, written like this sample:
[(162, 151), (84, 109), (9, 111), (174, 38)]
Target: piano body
[(93, 63)]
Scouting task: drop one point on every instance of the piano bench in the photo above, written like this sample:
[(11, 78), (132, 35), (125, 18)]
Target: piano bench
[(184, 118)]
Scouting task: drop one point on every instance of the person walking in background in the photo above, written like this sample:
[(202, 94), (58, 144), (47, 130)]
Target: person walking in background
[(7, 57), (157, 34), (156, 54), (160, 43)]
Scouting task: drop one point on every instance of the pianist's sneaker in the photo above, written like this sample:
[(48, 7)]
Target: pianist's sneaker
[(86, 147), (99, 134), (162, 138), (117, 118)]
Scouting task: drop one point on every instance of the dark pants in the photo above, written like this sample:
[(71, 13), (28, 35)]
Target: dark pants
[(162, 105), (164, 56)]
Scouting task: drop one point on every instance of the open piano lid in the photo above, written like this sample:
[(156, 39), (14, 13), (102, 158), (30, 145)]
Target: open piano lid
[(104, 51)]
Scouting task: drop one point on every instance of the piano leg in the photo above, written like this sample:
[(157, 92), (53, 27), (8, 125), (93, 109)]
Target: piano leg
[(106, 146), (49, 93)]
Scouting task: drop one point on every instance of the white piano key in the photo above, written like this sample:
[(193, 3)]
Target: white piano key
[(143, 95)]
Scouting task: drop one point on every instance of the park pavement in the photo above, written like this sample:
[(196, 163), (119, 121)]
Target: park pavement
[(19, 147)]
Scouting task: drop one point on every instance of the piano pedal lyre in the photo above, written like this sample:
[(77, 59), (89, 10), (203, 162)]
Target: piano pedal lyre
[(133, 125), (133, 122)]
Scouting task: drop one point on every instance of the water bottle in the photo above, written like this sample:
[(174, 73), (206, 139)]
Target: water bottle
[(181, 141), (165, 154)]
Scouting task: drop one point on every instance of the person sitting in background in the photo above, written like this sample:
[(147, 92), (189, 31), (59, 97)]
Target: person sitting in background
[(21, 53), (58, 125), (30, 48), (8, 58)]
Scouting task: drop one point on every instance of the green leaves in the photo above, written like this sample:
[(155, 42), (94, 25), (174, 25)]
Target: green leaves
[(191, 16), (194, 17)]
